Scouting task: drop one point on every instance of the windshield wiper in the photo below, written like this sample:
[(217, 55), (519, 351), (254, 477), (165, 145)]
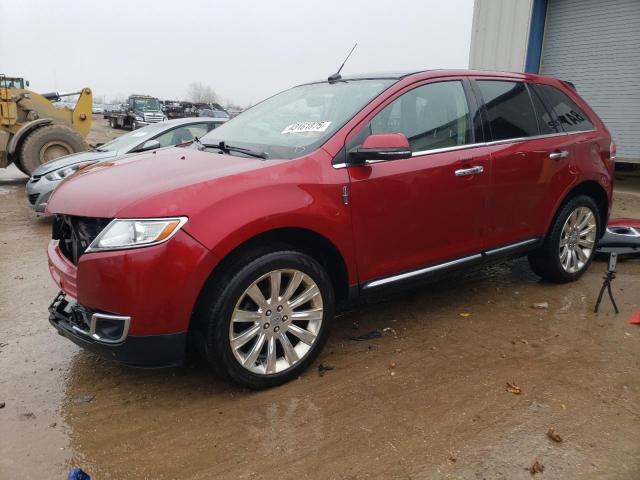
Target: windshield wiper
[(230, 148)]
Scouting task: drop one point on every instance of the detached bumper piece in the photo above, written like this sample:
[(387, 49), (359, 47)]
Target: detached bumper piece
[(107, 335), (622, 237)]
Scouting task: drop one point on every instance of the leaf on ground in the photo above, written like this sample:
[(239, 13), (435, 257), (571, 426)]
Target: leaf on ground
[(513, 388), (537, 467), (553, 435)]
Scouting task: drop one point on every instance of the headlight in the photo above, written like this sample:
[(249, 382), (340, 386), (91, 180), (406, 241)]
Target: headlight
[(134, 233), (139, 118), (66, 171)]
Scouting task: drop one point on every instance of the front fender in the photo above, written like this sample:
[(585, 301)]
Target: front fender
[(294, 203)]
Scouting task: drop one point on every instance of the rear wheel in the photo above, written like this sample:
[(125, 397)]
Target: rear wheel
[(570, 246), (113, 123), (48, 143), (266, 322)]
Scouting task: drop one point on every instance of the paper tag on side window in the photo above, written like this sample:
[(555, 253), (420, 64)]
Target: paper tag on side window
[(304, 127)]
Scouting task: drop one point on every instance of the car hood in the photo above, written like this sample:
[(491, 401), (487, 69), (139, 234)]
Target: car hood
[(168, 182), (72, 159)]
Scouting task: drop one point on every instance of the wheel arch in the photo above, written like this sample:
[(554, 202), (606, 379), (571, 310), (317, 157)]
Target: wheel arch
[(307, 241), (592, 189)]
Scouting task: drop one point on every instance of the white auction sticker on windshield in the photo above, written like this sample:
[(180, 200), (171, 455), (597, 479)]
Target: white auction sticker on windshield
[(304, 127)]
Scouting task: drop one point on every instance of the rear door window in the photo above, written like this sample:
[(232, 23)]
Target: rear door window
[(509, 108), (431, 116), (570, 116)]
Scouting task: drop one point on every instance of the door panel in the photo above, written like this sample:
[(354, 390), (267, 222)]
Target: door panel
[(523, 181), (416, 212), (427, 209)]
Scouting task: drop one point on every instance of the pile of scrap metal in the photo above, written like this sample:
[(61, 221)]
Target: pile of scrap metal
[(622, 237)]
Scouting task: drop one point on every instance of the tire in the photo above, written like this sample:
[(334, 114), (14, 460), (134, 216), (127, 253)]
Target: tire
[(48, 143), (268, 327), (20, 167), (549, 261), (134, 125), (113, 123)]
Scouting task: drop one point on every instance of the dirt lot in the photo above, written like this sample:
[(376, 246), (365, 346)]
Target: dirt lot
[(426, 400)]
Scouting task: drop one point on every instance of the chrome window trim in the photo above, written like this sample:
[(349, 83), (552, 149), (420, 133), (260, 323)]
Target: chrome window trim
[(473, 145), (446, 149)]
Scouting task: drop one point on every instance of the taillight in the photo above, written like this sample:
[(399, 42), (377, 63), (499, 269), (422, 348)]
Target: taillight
[(612, 151)]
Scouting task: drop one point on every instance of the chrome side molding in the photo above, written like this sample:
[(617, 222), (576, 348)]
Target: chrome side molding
[(452, 263), (422, 271)]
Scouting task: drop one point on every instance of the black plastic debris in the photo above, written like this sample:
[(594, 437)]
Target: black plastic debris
[(367, 336), (78, 474), (622, 237), (322, 368)]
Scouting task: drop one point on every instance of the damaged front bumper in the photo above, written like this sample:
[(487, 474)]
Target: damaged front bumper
[(107, 335)]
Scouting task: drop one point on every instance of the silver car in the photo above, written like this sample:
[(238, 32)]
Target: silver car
[(157, 135)]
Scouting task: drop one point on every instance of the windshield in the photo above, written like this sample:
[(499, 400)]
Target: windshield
[(126, 142), (146, 104), (12, 83), (297, 121)]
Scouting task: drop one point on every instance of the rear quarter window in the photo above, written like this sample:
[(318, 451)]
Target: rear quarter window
[(509, 108), (570, 117)]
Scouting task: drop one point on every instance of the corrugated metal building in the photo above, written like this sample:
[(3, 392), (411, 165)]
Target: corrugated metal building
[(593, 43)]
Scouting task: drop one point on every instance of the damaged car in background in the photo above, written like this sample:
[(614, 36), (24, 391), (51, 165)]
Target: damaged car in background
[(247, 241)]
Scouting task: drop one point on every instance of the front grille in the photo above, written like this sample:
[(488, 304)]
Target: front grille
[(33, 198), (75, 234), (153, 118)]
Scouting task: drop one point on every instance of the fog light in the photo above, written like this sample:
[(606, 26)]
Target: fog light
[(109, 328)]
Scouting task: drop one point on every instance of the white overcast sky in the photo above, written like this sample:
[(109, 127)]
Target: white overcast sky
[(244, 49)]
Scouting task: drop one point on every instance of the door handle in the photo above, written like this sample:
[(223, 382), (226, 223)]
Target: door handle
[(557, 155), (463, 172)]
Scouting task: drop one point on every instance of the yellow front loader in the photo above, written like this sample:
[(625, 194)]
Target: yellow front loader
[(33, 131)]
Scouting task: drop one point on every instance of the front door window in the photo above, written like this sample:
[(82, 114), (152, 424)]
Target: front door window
[(432, 116)]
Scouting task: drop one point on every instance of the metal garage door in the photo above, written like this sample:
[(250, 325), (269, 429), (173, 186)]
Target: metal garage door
[(596, 45)]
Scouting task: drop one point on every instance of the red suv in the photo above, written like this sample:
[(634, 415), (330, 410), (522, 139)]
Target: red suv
[(247, 239)]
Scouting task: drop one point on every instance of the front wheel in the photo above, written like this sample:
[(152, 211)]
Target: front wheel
[(48, 143), (571, 244), (267, 321)]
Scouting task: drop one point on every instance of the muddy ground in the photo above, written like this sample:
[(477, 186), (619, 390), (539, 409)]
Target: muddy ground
[(426, 400)]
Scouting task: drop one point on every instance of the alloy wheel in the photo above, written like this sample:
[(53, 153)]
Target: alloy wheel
[(276, 321), (577, 239)]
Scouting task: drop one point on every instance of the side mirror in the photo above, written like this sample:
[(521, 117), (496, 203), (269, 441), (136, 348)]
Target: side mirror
[(149, 145), (381, 147)]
